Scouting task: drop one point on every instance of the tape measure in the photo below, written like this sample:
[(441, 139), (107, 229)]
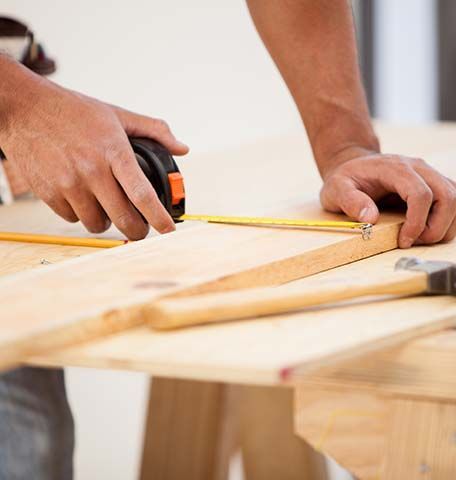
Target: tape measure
[(162, 171)]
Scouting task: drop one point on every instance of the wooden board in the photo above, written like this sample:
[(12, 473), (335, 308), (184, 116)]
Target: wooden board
[(227, 353), (107, 291), (280, 349), (28, 215), (378, 436), (421, 369)]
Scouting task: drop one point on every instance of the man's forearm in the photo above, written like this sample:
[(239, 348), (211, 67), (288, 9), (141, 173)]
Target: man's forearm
[(313, 44), (16, 91)]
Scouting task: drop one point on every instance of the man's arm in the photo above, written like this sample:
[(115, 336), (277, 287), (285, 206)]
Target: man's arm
[(74, 153), (313, 45)]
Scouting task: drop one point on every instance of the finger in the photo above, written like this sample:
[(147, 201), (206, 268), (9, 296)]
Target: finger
[(58, 204), (341, 194), (88, 210), (141, 126), (451, 232), (412, 188), (443, 210), (141, 193), (118, 208)]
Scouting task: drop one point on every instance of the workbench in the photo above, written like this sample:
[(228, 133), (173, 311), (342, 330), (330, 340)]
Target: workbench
[(386, 412)]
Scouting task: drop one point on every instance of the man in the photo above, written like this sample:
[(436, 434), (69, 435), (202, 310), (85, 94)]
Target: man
[(73, 152)]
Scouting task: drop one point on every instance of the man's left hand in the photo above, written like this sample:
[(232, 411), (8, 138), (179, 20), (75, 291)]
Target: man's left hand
[(355, 186)]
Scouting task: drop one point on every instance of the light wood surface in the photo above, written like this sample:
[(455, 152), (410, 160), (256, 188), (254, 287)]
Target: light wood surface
[(272, 351), (269, 446), (173, 313), (349, 426), (422, 369), (109, 291), (191, 431), (277, 349), (377, 436), (217, 352)]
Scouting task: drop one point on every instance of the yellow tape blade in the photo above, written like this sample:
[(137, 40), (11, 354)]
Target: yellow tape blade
[(365, 228)]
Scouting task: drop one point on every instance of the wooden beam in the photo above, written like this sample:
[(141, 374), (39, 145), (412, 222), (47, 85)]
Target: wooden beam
[(190, 431), (270, 448)]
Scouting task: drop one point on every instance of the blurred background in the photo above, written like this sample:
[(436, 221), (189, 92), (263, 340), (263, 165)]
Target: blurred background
[(200, 65)]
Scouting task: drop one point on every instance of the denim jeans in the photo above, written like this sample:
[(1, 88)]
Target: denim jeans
[(36, 426)]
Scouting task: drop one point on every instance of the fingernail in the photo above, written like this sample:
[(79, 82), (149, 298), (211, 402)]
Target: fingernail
[(182, 144), (168, 228), (406, 242), (366, 214)]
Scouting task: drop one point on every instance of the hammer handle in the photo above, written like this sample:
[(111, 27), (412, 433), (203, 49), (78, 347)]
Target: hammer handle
[(218, 307)]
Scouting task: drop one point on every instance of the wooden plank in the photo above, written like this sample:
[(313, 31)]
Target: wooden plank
[(29, 215), (190, 431), (435, 143), (421, 441), (279, 349), (270, 448), (421, 369), (107, 291), (376, 436), (350, 426)]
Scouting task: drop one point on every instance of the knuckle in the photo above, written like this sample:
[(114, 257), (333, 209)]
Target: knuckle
[(422, 193), (418, 162), (48, 196), (68, 183), (448, 197), (397, 160), (161, 125), (91, 169), (140, 194)]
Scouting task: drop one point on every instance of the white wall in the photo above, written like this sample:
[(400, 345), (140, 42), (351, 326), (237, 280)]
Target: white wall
[(200, 65), (405, 60)]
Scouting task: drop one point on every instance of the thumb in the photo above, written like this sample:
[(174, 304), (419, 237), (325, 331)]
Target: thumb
[(345, 197), (136, 125)]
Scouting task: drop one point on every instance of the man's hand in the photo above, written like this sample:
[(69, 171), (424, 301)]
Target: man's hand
[(74, 153), (354, 187)]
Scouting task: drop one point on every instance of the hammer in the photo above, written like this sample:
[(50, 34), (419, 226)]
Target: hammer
[(413, 277)]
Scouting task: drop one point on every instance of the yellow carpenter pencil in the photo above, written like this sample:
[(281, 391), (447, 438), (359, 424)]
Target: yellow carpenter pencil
[(58, 240)]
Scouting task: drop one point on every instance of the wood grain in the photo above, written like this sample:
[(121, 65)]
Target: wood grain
[(420, 369), (107, 291), (377, 436), (350, 426), (270, 448), (282, 348), (190, 431), (172, 313)]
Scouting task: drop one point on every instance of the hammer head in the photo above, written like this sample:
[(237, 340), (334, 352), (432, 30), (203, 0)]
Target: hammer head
[(441, 275)]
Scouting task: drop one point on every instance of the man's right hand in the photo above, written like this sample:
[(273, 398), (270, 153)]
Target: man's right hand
[(74, 153)]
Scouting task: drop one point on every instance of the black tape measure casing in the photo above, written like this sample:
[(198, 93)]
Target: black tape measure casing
[(163, 173)]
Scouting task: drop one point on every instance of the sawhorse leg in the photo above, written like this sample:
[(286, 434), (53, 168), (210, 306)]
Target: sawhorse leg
[(380, 437), (193, 428), (270, 448), (190, 431)]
